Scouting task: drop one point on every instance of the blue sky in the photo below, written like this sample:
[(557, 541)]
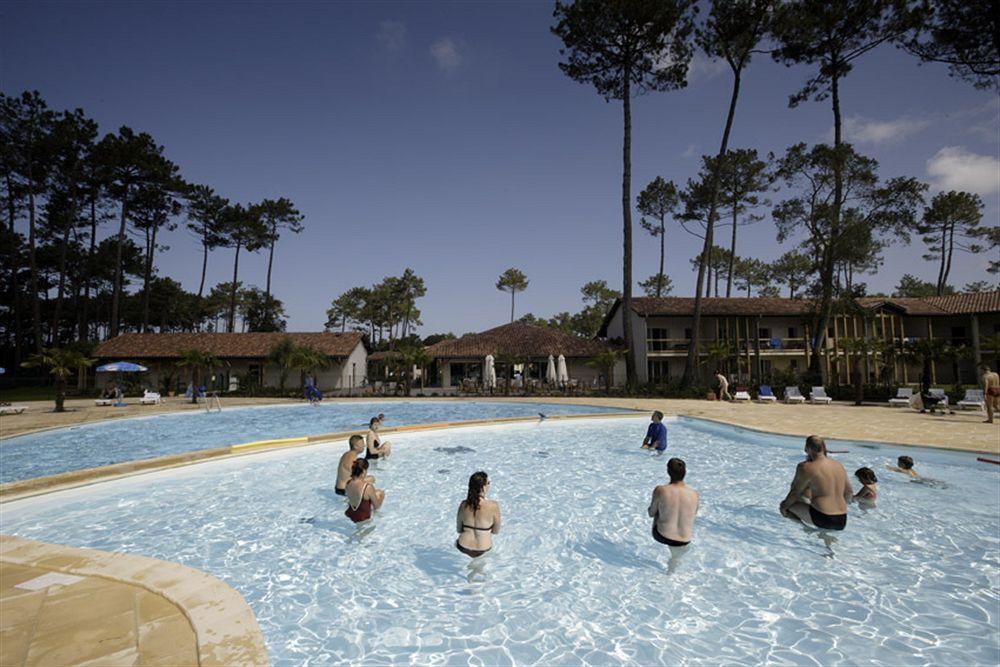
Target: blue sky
[(443, 137)]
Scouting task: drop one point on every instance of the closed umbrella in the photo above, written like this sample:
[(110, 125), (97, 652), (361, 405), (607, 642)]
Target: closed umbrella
[(563, 373), (490, 376), (550, 371)]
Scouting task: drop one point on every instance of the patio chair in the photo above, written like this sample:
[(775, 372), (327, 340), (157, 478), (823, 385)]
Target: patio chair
[(742, 395), (11, 409), (973, 399), (765, 395), (104, 402), (818, 395), (902, 398), (939, 394), (150, 398), (793, 395)]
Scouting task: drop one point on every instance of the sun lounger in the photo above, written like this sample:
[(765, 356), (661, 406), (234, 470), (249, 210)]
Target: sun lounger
[(973, 399), (902, 398), (742, 395), (939, 394), (765, 395), (104, 402), (793, 395), (818, 395), (12, 409), (150, 398)]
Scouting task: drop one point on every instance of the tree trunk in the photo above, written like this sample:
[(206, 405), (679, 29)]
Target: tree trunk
[(270, 260), (732, 254), (116, 294), (150, 250), (204, 260), (512, 306), (60, 387), (15, 265), (85, 319), (232, 293), (659, 276), (631, 378), (826, 270), (36, 308), (947, 267), (54, 338), (691, 363), (940, 280)]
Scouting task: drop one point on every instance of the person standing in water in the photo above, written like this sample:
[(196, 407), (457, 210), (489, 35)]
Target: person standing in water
[(824, 481), (673, 507), (362, 496), (355, 446), (478, 518), (377, 448), (656, 434)]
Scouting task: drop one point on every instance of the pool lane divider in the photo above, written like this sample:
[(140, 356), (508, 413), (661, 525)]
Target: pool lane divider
[(76, 478)]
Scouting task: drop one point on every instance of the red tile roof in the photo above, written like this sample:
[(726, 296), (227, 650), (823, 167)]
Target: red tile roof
[(517, 340), (718, 306), (954, 304), (222, 345)]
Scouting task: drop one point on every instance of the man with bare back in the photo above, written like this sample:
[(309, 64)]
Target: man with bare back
[(673, 507), (824, 483), (356, 445)]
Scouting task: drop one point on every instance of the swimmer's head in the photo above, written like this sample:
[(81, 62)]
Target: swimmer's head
[(477, 489), (905, 462), (373, 421), (359, 468), (815, 445), (381, 416), (676, 469), (866, 476), (657, 416), (357, 443)]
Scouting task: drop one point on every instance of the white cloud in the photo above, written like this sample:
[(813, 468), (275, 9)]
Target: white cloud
[(690, 151), (446, 53), (391, 35), (861, 130), (702, 67), (955, 168)]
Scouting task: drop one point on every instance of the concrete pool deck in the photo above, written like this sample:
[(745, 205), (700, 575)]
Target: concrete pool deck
[(963, 431)]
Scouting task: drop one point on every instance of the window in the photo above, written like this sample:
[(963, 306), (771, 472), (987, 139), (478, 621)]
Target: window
[(253, 375), (764, 332), (655, 339), (793, 332), (658, 371), (793, 364), (958, 332), (687, 334)]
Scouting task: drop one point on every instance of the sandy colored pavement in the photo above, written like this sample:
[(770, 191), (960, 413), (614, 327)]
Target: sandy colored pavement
[(963, 430)]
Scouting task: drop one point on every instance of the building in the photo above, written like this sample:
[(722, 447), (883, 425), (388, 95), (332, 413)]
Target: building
[(526, 347), (245, 357), (757, 338)]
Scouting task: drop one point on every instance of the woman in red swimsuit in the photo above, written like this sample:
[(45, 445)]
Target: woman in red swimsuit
[(362, 496), (478, 518)]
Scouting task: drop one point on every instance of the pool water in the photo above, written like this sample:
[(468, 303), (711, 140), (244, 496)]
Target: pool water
[(575, 576), (106, 443)]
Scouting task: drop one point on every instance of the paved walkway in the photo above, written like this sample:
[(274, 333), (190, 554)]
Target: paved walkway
[(87, 621)]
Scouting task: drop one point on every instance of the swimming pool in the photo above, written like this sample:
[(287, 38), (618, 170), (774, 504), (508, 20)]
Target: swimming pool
[(914, 581), (106, 443)]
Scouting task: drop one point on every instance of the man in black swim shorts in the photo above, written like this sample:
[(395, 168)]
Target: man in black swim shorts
[(820, 490)]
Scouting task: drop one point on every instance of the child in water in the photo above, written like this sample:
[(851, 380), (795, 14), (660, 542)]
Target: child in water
[(868, 491), (904, 464)]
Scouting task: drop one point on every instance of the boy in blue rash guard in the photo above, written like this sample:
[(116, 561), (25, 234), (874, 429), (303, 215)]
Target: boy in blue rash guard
[(656, 434)]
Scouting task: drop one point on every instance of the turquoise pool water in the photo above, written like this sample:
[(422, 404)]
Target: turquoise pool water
[(575, 577), (101, 444)]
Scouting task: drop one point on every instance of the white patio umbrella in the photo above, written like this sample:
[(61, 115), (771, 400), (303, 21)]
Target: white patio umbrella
[(562, 373), (550, 372), (490, 376)]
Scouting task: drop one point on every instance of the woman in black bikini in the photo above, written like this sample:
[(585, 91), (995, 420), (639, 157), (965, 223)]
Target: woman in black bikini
[(478, 518)]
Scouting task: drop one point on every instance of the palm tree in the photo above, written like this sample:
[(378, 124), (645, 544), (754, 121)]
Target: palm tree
[(197, 360), (720, 353), (858, 349), (61, 364), (924, 351), (606, 361), (413, 355), (305, 359), (991, 344), (281, 354)]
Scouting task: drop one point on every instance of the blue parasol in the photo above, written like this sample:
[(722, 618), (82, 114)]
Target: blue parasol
[(121, 367)]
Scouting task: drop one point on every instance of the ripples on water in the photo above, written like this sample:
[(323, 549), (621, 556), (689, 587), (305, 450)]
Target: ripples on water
[(575, 576)]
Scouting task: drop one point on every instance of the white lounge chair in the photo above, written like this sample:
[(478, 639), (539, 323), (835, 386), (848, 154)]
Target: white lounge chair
[(150, 398), (818, 395), (104, 402), (765, 395), (939, 393), (902, 398), (793, 395), (11, 409), (973, 399), (743, 395)]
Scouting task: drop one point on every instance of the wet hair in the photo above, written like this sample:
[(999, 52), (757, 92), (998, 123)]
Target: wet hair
[(866, 476), (359, 468), (355, 439), (372, 421), (905, 462), (658, 415), (676, 468), (815, 444), (477, 482)]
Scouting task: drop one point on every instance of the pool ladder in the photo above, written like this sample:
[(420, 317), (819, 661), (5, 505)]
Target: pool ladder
[(213, 403)]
